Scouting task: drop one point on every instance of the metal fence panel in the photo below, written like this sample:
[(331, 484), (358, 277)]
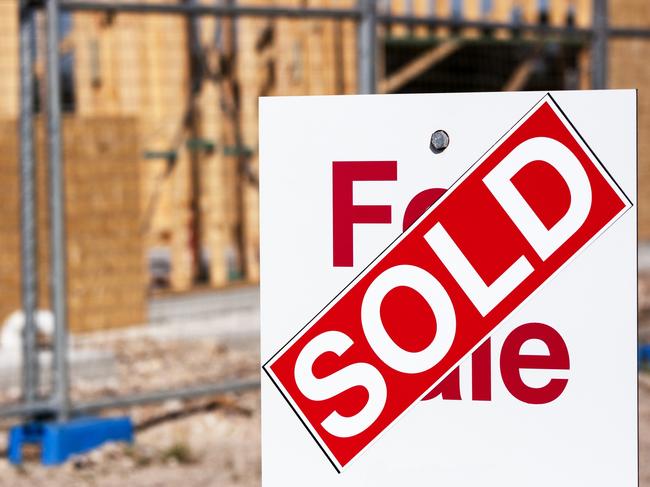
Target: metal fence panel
[(151, 110)]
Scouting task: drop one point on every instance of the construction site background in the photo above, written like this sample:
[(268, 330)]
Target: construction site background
[(160, 125)]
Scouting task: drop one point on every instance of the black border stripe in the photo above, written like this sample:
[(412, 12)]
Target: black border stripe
[(302, 421), (591, 150)]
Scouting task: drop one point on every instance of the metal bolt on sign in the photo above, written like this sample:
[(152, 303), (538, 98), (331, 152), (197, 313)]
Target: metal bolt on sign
[(439, 141)]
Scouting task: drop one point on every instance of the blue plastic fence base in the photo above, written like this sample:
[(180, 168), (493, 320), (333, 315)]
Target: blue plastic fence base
[(59, 441)]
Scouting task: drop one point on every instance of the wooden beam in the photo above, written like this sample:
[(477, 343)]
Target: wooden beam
[(9, 62), (584, 69), (418, 66), (520, 75)]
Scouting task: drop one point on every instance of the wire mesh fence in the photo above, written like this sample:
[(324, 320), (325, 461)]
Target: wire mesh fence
[(159, 143)]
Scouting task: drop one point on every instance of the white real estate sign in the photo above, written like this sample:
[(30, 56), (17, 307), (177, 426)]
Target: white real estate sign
[(454, 317)]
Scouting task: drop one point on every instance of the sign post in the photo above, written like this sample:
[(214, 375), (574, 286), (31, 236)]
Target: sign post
[(516, 265)]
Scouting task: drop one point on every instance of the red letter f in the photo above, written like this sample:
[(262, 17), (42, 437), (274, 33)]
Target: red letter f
[(346, 214)]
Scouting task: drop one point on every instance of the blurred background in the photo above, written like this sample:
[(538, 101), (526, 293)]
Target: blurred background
[(129, 236)]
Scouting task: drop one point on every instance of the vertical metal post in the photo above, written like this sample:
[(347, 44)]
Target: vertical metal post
[(28, 252), (57, 214), (367, 46), (599, 46)]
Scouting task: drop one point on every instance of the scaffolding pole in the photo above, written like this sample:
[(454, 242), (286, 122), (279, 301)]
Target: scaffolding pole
[(599, 46), (367, 47), (28, 237), (58, 279)]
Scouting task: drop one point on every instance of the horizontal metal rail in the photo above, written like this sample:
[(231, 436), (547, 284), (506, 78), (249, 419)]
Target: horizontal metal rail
[(158, 396), (128, 400), (214, 10), (460, 23), (306, 12), (27, 409), (338, 13), (628, 32)]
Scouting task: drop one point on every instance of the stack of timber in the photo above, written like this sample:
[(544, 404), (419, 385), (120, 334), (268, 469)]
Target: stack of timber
[(105, 266), (9, 59)]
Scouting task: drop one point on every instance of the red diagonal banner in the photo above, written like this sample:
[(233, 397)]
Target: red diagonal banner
[(513, 220)]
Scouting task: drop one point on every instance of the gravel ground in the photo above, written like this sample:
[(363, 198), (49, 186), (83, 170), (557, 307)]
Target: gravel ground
[(149, 364)]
